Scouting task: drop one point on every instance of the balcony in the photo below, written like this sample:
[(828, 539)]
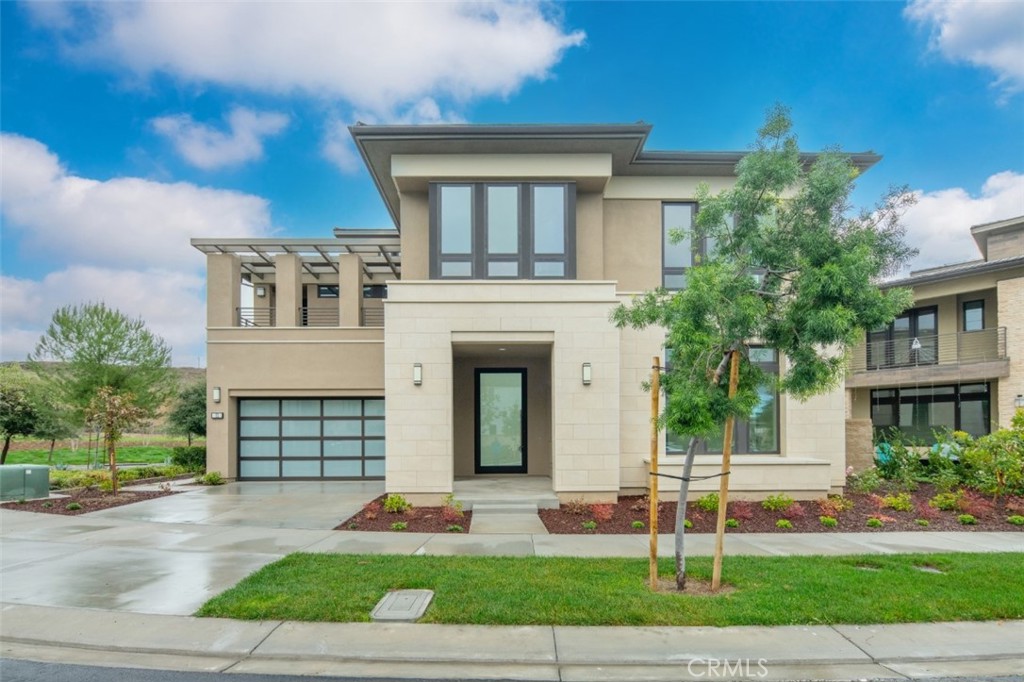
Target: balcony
[(254, 317), (306, 317), (934, 358), (318, 317)]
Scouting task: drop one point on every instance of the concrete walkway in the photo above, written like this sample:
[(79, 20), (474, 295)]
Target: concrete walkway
[(117, 587)]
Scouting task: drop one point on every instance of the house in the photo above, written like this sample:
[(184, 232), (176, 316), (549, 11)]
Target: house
[(953, 360), (474, 339)]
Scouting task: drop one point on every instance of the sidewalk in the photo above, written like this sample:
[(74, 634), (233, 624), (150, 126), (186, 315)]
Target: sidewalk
[(117, 587)]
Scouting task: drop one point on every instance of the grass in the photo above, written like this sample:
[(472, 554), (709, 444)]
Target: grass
[(143, 454), (580, 591)]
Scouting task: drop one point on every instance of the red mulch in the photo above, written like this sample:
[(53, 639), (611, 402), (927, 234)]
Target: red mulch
[(418, 519), (90, 500), (753, 518)]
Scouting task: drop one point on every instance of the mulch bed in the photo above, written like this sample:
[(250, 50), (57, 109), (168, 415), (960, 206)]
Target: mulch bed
[(418, 520), (753, 518), (89, 499)]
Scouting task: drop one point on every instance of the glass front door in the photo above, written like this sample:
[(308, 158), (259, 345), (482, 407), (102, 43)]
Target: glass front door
[(500, 421)]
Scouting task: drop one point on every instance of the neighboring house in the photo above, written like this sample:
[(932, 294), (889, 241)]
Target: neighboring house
[(474, 339), (954, 360)]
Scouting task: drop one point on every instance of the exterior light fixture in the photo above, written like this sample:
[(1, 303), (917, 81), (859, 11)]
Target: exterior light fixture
[(586, 374), (216, 394), (261, 292), (1018, 402), (417, 374)]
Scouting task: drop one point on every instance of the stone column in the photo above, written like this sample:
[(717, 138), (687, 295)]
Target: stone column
[(288, 274), (350, 290), (1010, 305)]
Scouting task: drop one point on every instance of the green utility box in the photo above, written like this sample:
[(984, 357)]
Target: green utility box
[(24, 481)]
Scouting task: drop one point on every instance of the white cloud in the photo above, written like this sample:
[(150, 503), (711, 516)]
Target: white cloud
[(985, 34), (939, 223), (209, 148), (123, 241), (378, 57)]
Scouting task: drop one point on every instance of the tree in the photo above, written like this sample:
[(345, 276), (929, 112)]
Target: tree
[(55, 422), (113, 413), (94, 346), (794, 269), (189, 413), (18, 414)]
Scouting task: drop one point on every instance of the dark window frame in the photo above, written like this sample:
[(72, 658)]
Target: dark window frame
[(914, 357), (522, 468), (328, 291), (698, 248), (478, 258), (976, 304), (896, 397), (375, 291)]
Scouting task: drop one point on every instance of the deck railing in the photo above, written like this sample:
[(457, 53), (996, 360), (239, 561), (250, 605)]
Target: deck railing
[(959, 348), (372, 317), (255, 317), (318, 317)]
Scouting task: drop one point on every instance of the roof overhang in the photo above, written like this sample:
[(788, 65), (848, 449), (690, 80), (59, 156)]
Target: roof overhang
[(952, 272), (981, 233), (380, 251)]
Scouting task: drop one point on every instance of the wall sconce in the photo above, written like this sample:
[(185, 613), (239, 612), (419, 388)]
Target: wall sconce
[(216, 394), (261, 292), (1018, 402), (417, 374), (586, 374)]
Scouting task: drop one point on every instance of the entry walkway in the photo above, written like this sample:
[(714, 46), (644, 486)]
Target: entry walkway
[(117, 587)]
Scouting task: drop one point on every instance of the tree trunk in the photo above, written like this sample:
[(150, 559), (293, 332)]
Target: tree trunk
[(684, 485), (53, 444), (7, 446), (190, 439), (112, 456)]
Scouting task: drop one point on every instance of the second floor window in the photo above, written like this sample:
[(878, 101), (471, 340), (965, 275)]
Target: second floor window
[(503, 231), (910, 339), (679, 256)]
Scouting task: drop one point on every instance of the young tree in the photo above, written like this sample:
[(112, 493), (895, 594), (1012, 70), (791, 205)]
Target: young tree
[(56, 422), (113, 413), (189, 413), (18, 414), (793, 268), (94, 346)]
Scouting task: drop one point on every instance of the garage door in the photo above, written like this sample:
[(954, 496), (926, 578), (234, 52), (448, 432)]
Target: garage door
[(318, 438)]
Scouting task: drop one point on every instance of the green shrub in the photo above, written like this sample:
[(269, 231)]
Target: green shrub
[(867, 481), (780, 502), (73, 506), (922, 522), (947, 501), (1016, 520), (687, 523), (640, 525), (732, 523), (399, 525), (996, 462), (454, 528), (901, 502), (874, 523), (828, 521), (897, 461), (396, 504), (192, 458), (967, 519), (210, 478), (589, 525), (708, 503), (783, 523)]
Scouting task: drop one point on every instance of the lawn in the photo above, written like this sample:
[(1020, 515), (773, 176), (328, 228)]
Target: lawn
[(580, 591), (141, 454)]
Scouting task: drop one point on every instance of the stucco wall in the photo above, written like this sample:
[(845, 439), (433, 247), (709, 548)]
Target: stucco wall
[(632, 244)]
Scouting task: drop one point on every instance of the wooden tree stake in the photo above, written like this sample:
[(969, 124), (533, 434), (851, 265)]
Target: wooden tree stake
[(723, 487)]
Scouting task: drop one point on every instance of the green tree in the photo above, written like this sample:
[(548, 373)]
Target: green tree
[(94, 346), (189, 413), (794, 268), (56, 421), (112, 413), (18, 414)]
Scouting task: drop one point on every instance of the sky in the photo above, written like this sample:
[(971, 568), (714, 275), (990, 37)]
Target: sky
[(128, 128)]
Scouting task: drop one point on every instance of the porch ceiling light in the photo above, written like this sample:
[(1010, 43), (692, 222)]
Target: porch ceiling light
[(586, 374), (216, 394), (417, 374), (261, 292)]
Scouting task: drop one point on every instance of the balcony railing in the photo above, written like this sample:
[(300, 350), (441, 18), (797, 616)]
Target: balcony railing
[(372, 317), (318, 317), (960, 348), (255, 317)]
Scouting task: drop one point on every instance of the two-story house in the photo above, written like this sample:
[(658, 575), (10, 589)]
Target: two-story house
[(947, 362), (473, 340)]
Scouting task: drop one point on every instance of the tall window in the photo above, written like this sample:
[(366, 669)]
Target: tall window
[(911, 339), (503, 230), (974, 316), (678, 257), (920, 411), (759, 434)]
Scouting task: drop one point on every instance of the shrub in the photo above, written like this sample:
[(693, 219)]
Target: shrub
[(640, 525), (967, 519), (589, 525), (947, 501), (742, 510), (396, 504), (732, 523), (897, 461), (602, 512), (454, 528), (867, 481), (783, 523), (874, 522), (49, 505), (833, 505), (73, 506), (922, 522), (371, 509), (944, 467), (976, 505), (926, 511), (996, 461), (708, 503), (1016, 520), (399, 525), (210, 478), (828, 521), (192, 458), (451, 509), (780, 502), (900, 502), (577, 506), (687, 523), (107, 485), (794, 511)]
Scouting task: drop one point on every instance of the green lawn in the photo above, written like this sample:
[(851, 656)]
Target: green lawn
[(150, 454), (575, 591)]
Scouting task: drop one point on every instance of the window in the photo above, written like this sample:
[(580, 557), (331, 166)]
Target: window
[(758, 435), (503, 231), (327, 291), (911, 339), (974, 316), (678, 257), (920, 411), (375, 291)]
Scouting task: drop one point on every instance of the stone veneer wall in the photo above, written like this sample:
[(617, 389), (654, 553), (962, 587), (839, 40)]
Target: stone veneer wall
[(860, 452), (1010, 293)]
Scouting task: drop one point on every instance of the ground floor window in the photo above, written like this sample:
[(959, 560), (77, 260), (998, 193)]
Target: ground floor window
[(340, 438), (921, 411)]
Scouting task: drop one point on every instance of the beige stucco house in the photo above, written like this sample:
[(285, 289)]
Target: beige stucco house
[(474, 338)]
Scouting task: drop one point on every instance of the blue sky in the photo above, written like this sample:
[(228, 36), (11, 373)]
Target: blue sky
[(130, 127)]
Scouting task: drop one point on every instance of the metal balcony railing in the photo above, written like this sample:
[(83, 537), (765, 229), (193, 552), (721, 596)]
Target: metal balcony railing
[(372, 317), (318, 317), (255, 317), (960, 348)]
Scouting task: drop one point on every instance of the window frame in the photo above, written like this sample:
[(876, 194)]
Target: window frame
[(888, 361), (698, 248), (976, 304), (957, 397), (328, 291)]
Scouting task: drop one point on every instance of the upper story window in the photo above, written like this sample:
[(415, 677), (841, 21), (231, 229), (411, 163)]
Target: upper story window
[(327, 291), (910, 339), (375, 291), (974, 315), (518, 230), (678, 257)]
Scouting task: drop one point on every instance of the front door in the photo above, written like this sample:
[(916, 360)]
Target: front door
[(500, 421)]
